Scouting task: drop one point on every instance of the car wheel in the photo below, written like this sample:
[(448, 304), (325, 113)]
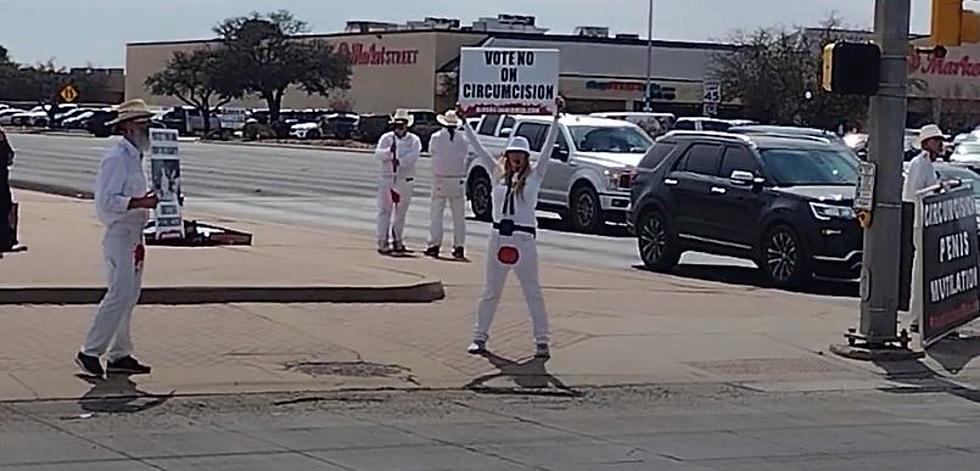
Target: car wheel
[(313, 134), (784, 260), (658, 249), (584, 212), (481, 197)]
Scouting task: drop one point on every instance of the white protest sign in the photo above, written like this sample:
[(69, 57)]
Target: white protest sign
[(165, 172), (508, 80)]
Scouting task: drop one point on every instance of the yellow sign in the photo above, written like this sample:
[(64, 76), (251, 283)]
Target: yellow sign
[(68, 93)]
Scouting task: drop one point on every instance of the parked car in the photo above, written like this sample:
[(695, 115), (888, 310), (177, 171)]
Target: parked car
[(305, 131), (7, 114), (339, 125), (967, 154), (371, 126), (188, 120), (77, 120), (95, 124), (791, 131), (655, 124), (37, 117), (782, 202), (592, 166)]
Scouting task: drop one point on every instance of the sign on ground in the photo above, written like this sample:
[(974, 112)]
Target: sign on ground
[(508, 80), (947, 240)]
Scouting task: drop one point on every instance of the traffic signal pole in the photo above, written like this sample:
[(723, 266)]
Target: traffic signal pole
[(882, 240)]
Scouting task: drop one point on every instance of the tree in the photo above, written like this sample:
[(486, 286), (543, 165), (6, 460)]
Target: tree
[(776, 74), (197, 79), (265, 58)]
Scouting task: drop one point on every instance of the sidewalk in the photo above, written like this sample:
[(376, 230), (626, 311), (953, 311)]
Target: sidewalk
[(609, 327)]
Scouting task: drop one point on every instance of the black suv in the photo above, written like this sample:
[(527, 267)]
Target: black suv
[(783, 202)]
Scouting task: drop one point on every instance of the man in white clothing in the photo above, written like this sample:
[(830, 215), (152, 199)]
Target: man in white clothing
[(122, 203), (449, 148), (398, 150), (921, 175)]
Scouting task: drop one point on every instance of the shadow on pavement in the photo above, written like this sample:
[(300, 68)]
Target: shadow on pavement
[(117, 394), (916, 377), (557, 225), (745, 276), (529, 376), (954, 353)]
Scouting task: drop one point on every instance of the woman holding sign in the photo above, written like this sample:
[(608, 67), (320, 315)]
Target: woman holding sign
[(512, 240)]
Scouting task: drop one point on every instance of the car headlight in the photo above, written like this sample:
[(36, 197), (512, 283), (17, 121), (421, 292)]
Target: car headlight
[(620, 178), (826, 212)]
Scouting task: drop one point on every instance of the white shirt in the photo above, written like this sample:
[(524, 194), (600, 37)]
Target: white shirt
[(921, 175), (409, 148), (525, 203), (449, 154), (120, 179)]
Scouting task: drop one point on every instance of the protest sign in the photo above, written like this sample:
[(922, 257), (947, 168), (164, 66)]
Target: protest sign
[(506, 80), (947, 244), (165, 172)]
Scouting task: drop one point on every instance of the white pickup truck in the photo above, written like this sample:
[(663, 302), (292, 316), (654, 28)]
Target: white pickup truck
[(590, 174)]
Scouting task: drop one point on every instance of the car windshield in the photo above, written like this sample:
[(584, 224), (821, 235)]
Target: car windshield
[(618, 139), (794, 167), (968, 148)]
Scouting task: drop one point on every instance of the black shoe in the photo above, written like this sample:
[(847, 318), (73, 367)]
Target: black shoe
[(432, 252), (399, 248), (127, 366), (459, 253), (90, 365)]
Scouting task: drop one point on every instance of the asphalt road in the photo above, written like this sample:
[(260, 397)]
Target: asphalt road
[(315, 188), (662, 428)]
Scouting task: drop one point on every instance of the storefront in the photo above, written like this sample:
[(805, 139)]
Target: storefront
[(416, 69), (945, 90)]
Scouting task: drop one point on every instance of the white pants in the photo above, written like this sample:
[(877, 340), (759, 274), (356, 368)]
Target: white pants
[(388, 229), (110, 333), (526, 270), (451, 189)]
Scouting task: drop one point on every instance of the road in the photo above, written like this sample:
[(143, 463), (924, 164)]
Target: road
[(662, 428), (319, 188)]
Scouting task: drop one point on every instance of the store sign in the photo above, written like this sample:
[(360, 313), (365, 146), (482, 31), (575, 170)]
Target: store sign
[(375, 55), (508, 80), (947, 236), (956, 76), (658, 92)]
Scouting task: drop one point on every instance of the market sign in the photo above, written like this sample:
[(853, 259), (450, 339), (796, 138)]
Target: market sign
[(508, 80), (947, 237), (374, 55)]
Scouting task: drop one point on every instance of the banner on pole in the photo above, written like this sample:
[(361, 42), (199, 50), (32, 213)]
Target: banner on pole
[(946, 241), (508, 80), (165, 171)]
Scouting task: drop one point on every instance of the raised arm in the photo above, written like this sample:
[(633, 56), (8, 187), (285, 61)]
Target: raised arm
[(541, 166), (481, 152)]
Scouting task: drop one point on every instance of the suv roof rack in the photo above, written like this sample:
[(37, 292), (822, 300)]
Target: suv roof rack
[(716, 134), (804, 137)]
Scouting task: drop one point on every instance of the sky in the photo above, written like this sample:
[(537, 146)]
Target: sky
[(83, 32)]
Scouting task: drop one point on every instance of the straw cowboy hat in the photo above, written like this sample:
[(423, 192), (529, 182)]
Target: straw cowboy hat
[(403, 116), (930, 131), (449, 119), (518, 144), (131, 110)]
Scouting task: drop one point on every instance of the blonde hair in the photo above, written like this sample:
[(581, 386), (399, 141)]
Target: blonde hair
[(520, 178)]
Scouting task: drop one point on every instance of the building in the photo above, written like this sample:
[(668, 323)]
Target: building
[(414, 65)]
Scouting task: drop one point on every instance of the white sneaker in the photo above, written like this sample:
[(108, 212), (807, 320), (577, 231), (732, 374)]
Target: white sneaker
[(478, 347)]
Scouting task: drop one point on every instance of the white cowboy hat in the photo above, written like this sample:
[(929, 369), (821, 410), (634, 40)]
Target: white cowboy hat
[(929, 131), (518, 144), (132, 110), (404, 116), (449, 119)]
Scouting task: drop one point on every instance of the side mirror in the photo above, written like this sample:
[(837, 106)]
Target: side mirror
[(559, 153), (743, 178), (506, 132)]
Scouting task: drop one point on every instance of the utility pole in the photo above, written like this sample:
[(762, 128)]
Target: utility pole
[(646, 94), (882, 241)]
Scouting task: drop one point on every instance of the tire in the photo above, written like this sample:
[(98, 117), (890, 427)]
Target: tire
[(584, 211), (783, 258), (313, 134), (656, 243), (481, 197)]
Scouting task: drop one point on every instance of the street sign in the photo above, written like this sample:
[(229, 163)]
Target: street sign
[(712, 91), (68, 93), (710, 109), (946, 240), (865, 197)]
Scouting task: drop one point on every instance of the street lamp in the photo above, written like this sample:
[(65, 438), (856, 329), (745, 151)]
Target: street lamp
[(646, 95)]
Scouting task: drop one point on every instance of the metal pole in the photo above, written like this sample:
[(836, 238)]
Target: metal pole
[(646, 95), (879, 289)]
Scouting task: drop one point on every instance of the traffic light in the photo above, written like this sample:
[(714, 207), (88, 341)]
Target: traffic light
[(953, 25), (851, 68)]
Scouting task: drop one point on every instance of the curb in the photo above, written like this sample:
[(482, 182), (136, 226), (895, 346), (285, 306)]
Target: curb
[(354, 150), (424, 292), (58, 190)]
